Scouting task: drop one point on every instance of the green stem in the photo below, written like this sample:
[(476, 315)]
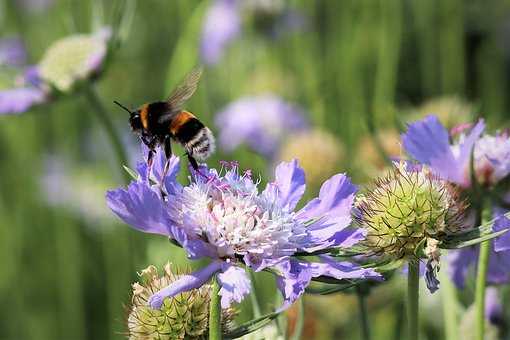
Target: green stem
[(102, 115), (253, 296), (363, 314), (215, 312), (450, 305), (300, 322), (413, 286), (481, 282)]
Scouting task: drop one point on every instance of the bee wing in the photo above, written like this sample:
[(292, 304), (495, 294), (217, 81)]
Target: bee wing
[(185, 90)]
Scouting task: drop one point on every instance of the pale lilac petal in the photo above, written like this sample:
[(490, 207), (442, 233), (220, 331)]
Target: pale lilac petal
[(195, 247), (466, 147), (19, 100), (342, 269), (185, 283), (222, 25), (140, 207), (428, 142), (235, 285), (289, 184), (294, 278), (332, 212)]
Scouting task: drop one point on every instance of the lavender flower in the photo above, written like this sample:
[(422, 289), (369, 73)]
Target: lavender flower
[(12, 52), (224, 217), (429, 142), (223, 23), (21, 88), (222, 26), (262, 122)]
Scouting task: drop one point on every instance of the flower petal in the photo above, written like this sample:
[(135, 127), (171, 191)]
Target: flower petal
[(19, 100), (140, 207), (468, 143), (460, 262), (428, 142), (235, 285), (195, 248), (289, 184), (332, 209), (294, 278), (185, 283)]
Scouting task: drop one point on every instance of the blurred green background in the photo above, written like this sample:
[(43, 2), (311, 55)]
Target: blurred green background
[(66, 262)]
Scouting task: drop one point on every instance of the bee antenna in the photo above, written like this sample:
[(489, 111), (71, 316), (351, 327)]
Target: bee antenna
[(122, 106)]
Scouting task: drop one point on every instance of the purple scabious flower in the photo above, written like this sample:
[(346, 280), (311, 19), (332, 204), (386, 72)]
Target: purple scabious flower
[(12, 52), (223, 216), (20, 89), (261, 122), (428, 141), (222, 25)]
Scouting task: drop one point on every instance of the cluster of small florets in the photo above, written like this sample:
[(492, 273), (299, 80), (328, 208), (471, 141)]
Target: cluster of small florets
[(184, 316), (405, 209)]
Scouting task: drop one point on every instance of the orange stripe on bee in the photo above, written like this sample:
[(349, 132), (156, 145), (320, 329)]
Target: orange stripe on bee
[(144, 116), (180, 119)]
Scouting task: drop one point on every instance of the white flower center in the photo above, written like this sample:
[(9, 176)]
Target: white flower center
[(230, 214)]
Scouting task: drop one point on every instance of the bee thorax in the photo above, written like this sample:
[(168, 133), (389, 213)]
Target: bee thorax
[(202, 145)]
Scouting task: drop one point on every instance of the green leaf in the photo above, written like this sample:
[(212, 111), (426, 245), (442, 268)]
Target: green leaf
[(131, 172), (473, 236), (251, 326)]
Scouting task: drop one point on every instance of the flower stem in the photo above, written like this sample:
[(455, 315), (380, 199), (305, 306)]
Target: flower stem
[(413, 286), (215, 312), (481, 281), (102, 115), (253, 295), (363, 314), (300, 322), (450, 305)]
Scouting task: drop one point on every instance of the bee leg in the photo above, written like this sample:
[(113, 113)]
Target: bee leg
[(168, 153), (193, 162)]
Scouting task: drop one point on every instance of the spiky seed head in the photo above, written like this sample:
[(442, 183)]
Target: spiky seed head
[(184, 316), (73, 59), (407, 208)]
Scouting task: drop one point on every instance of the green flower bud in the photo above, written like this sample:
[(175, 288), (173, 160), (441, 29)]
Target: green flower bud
[(407, 209), (73, 59), (184, 316)]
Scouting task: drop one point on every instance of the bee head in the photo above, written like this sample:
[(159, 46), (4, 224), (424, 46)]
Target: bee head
[(134, 117), (135, 121)]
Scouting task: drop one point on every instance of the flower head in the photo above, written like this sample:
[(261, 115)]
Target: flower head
[(226, 218), (183, 316), (73, 58), (429, 142), (407, 208), (262, 122)]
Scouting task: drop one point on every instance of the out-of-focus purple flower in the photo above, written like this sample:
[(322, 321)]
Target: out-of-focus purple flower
[(18, 100), (12, 52), (222, 25), (262, 122), (493, 306), (224, 217)]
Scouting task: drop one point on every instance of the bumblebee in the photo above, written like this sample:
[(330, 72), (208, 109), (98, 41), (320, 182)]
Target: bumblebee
[(161, 122)]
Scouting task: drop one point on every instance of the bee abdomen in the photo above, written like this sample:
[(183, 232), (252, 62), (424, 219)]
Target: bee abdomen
[(202, 145)]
